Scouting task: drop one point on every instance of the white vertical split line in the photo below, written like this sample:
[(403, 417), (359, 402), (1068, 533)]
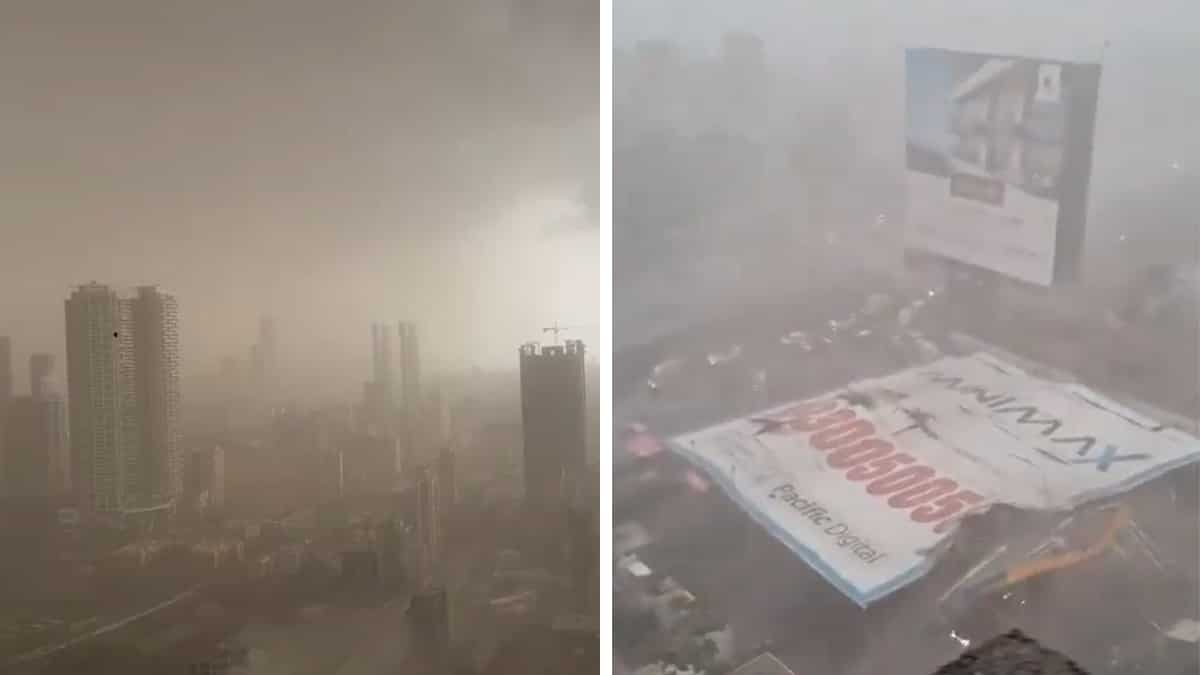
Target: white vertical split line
[(606, 248)]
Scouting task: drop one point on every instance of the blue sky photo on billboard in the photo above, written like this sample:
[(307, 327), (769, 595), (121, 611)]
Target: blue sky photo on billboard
[(993, 159), (996, 117)]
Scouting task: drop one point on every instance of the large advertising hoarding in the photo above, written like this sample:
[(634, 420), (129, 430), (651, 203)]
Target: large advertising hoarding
[(998, 160), (867, 483)]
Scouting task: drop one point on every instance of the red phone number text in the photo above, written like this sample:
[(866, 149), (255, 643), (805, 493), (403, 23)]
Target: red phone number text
[(851, 445)]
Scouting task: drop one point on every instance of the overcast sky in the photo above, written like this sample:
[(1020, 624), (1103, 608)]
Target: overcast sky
[(1011, 26), (330, 163)]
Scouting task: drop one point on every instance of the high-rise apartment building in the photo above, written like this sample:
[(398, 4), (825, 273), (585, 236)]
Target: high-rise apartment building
[(381, 354), (6, 372), (41, 367), (95, 387), (429, 616), (204, 478), (268, 348), (554, 421), (379, 393), (410, 377), (156, 365), (428, 527), (123, 381), (33, 462), (446, 487)]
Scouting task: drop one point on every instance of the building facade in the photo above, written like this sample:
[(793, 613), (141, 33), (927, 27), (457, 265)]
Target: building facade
[(41, 367), (123, 384), (429, 535), (6, 373), (410, 381), (94, 325), (554, 421), (447, 491), (429, 616), (205, 478), (155, 317), (34, 462)]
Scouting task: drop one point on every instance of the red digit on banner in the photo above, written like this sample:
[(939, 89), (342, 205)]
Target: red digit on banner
[(842, 434), (922, 493), (863, 451), (900, 480), (879, 467), (944, 508)]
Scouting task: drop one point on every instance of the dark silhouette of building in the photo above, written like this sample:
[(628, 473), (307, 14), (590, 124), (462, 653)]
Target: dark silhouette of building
[(360, 569), (379, 393), (429, 531), (554, 425), (742, 71), (41, 367), (205, 475), (446, 487), (34, 447), (6, 373), (429, 618), (266, 350), (410, 381), (554, 420), (583, 533)]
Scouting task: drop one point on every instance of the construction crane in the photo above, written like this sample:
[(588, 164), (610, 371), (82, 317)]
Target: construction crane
[(557, 330)]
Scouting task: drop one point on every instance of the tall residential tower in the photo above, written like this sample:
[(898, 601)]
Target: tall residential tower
[(156, 364), (95, 388), (410, 381), (6, 373), (123, 382)]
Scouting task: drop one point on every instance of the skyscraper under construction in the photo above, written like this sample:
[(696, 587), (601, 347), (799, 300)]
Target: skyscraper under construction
[(554, 421)]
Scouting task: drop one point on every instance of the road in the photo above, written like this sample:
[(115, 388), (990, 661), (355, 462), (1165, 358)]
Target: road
[(49, 650), (333, 641)]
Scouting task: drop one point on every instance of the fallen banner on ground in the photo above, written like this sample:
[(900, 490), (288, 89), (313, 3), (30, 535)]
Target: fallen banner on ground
[(866, 483)]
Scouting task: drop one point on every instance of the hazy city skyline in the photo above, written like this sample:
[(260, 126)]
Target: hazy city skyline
[(334, 169)]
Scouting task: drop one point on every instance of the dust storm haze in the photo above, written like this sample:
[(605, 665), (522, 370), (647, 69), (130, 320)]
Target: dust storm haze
[(788, 235), (829, 79), (326, 443), (327, 165)]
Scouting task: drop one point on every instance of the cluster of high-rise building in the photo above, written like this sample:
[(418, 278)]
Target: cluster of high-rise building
[(123, 394), (112, 442), (392, 401), (33, 431)]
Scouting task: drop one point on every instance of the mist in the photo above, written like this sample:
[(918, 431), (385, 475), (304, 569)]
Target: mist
[(790, 223), (824, 93), (430, 162)]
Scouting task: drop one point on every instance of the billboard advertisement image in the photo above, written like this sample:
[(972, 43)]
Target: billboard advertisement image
[(866, 483), (998, 154)]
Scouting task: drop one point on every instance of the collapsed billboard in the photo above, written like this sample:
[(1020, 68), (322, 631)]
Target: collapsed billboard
[(998, 157), (866, 483)]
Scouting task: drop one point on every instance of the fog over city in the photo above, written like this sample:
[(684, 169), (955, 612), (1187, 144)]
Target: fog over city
[(327, 165), (298, 340)]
